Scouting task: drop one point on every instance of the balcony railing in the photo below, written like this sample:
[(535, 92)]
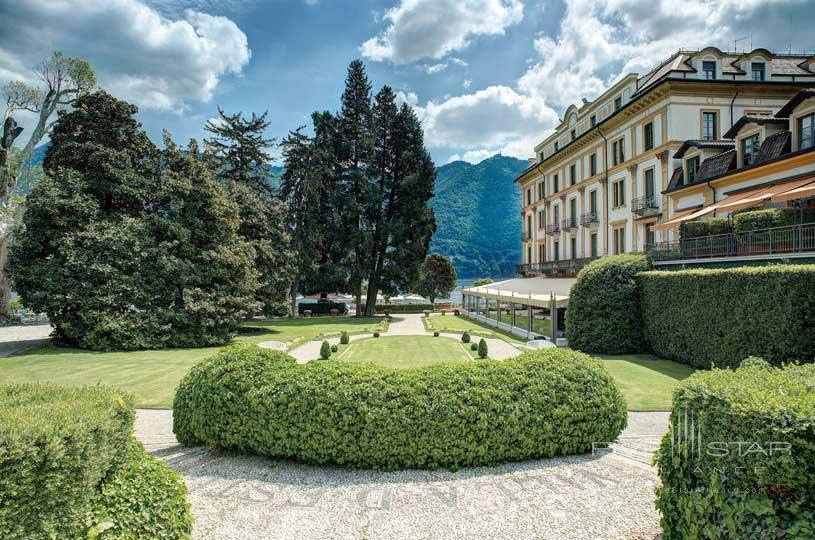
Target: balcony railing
[(569, 223), (552, 228), (549, 266), (644, 204), (526, 236), (588, 218), (761, 242)]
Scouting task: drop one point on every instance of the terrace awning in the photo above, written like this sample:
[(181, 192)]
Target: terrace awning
[(807, 190), (676, 220), (757, 196), (528, 291)]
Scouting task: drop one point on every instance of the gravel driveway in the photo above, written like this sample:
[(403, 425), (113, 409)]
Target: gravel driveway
[(17, 338), (603, 496)]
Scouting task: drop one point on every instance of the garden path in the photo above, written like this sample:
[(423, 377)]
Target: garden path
[(609, 495), (403, 324), (19, 337)]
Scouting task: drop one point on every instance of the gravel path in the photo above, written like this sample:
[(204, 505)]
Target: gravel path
[(408, 324), (604, 496), (16, 338)]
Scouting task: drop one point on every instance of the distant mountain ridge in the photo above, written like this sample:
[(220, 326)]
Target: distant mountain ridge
[(478, 216), (477, 206)]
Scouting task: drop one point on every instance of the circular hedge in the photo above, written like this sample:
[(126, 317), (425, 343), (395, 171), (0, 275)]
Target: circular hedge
[(541, 404)]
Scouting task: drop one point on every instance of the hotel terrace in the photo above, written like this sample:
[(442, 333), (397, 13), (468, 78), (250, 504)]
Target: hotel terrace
[(705, 134)]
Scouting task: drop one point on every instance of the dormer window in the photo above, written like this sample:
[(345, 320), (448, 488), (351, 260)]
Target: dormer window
[(618, 103), (758, 71), (806, 132), (709, 69), (691, 169), (593, 120), (749, 149), (573, 134), (557, 146)]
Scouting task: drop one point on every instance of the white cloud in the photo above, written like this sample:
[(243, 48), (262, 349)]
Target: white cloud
[(495, 119), (434, 68), (406, 97), (138, 53), (466, 83), (434, 28)]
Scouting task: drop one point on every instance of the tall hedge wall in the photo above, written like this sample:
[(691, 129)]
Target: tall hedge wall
[(541, 404), (604, 315), (721, 316), (739, 461), (59, 447)]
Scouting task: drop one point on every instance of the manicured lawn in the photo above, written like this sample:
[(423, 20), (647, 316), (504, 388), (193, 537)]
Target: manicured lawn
[(647, 381), (403, 351), (152, 376), (452, 323)]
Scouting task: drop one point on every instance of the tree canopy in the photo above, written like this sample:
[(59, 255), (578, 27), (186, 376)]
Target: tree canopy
[(437, 277)]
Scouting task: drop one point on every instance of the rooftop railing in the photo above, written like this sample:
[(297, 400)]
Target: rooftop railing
[(548, 266), (760, 242)]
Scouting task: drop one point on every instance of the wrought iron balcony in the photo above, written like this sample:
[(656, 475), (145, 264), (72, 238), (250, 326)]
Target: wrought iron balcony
[(571, 265), (761, 242), (642, 205), (569, 223), (526, 236), (588, 218), (552, 228)]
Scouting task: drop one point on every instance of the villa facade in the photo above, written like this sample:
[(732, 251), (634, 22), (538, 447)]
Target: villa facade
[(607, 180)]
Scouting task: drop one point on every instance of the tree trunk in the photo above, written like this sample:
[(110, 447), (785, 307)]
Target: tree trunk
[(295, 285), (358, 295), (5, 281)]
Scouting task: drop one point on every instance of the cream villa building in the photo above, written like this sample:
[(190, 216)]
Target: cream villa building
[(597, 184)]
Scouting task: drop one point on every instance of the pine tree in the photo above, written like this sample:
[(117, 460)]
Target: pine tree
[(355, 154), (307, 166), (238, 151)]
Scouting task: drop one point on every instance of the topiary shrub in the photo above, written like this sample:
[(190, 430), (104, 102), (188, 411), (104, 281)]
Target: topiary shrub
[(465, 337), (740, 459), (482, 348), (604, 309), (721, 316), (541, 404), (473, 346), (436, 333), (64, 455), (376, 334), (344, 338), (143, 500), (325, 350), (335, 348)]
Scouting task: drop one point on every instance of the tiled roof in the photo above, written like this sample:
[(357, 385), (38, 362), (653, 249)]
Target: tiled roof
[(694, 143), (676, 179), (774, 146), (716, 165), (788, 66), (760, 120), (805, 93)]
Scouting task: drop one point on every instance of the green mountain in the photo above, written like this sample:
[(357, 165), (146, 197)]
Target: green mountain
[(478, 216)]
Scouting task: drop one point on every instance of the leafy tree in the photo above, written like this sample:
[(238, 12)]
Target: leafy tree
[(126, 247), (238, 150), (307, 165), (437, 277), (480, 282), (64, 80), (403, 177)]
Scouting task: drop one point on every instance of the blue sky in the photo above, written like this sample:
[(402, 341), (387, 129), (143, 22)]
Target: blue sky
[(485, 76)]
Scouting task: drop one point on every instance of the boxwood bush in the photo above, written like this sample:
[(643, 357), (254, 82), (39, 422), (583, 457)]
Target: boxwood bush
[(763, 219), (541, 404), (604, 314), (748, 472), (721, 316), (711, 226), (59, 447)]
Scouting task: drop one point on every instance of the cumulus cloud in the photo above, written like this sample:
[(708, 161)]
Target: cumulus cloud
[(420, 29), (139, 54)]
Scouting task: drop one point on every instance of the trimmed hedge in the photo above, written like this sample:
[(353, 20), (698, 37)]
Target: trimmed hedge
[(404, 308), (604, 314), (539, 405), (749, 470), (763, 219), (60, 448), (143, 500), (721, 316), (321, 308), (712, 226)]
